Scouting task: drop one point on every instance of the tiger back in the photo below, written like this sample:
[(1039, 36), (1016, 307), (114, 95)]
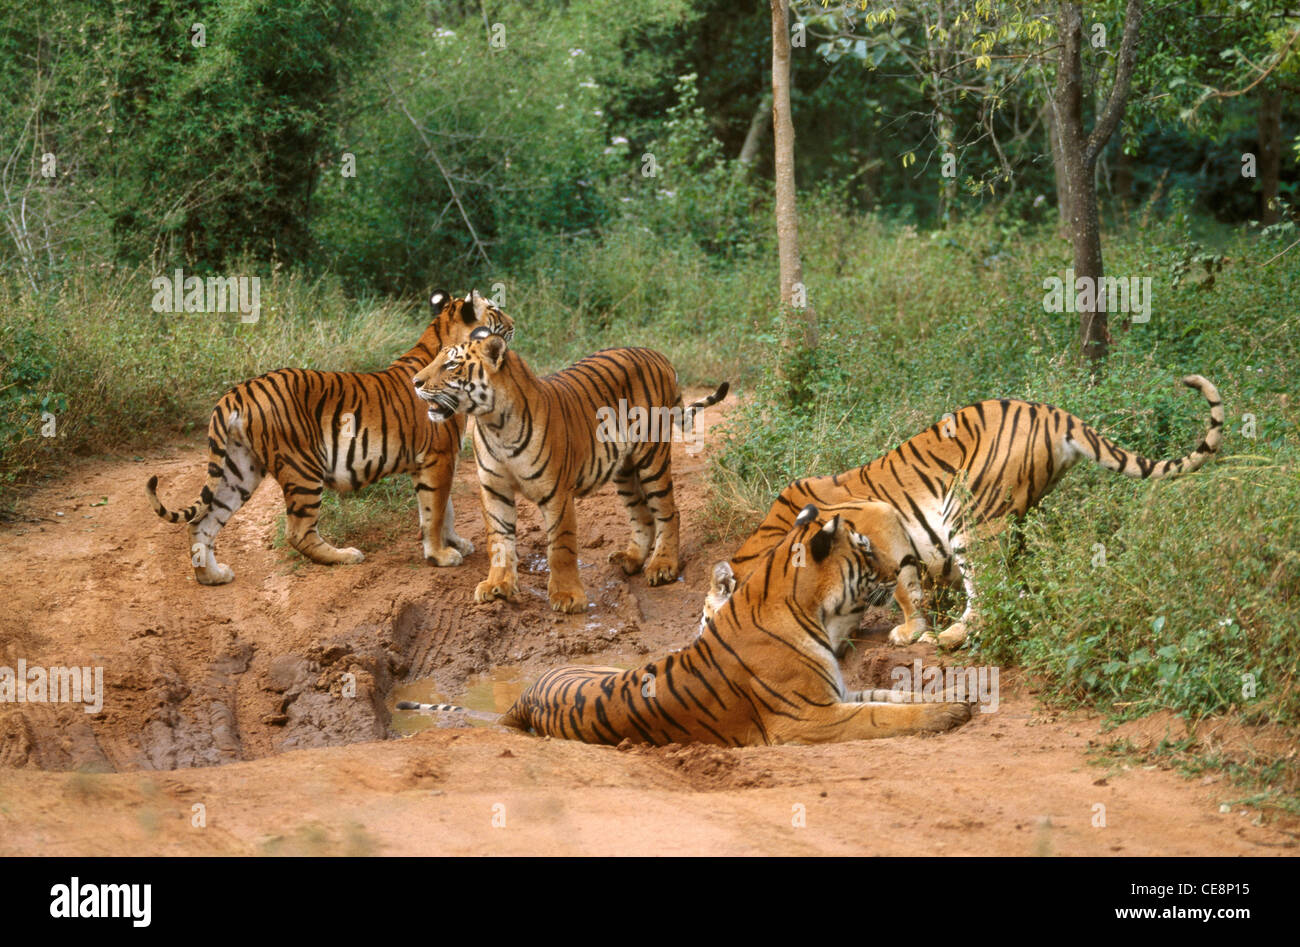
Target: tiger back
[(551, 440), (314, 430)]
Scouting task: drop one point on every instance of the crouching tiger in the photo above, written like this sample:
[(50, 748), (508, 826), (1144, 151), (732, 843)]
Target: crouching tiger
[(922, 501), (342, 430), (548, 438), (763, 671)]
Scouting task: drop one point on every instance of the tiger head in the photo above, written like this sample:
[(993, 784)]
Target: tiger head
[(454, 319), (459, 380), (825, 570)]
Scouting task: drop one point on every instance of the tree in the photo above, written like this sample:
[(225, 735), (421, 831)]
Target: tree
[(1079, 154), (787, 217)]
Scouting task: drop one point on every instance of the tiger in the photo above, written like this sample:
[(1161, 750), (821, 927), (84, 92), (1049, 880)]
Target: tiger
[(313, 430), (897, 561), (971, 470), (762, 672), (554, 439)]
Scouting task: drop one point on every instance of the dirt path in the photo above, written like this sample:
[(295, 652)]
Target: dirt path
[(257, 676)]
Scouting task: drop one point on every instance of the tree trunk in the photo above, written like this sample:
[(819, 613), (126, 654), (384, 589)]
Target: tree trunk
[(1124, 180), (1080, 153), (1058, 166), (787, 218), (1270, 153)]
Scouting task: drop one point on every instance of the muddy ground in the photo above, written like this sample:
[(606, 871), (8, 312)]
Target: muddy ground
[(229, 727)]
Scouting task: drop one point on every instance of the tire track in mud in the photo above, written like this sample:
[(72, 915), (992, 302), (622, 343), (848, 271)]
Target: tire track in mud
[(291, 654)]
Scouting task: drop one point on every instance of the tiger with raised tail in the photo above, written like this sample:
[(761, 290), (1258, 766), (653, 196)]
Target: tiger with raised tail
[(551, 440), (762, 672), (314, 430), (973, 468)]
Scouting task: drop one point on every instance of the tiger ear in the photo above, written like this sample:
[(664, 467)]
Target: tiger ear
[(479, 305), (861, 541), (806, 515), (825, 537), (439, 299), (494, 350), (723, 581)]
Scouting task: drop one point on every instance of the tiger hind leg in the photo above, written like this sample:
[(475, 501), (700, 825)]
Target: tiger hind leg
[(302, 508), (628, 484), (241, 473), (955, 634), (656, 478)]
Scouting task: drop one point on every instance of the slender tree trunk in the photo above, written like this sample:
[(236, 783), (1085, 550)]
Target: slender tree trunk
[(1124, 180), (757, 129), (1270, 153), (787, 217), (1080, 152), (1058, 166)]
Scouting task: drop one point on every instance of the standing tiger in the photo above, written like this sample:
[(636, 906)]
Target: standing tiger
[(763, 671), (987, 461), (342, 430), (548, 438)]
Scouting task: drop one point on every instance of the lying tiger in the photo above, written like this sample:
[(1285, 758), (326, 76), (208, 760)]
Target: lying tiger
[(920, 502), (342, 430), (763, 671), (897, 562), (545, 438)]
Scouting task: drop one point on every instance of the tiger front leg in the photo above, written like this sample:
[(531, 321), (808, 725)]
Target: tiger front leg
[(870, 721), (499, 525), (565, 586), (910, 597), (442, 547)]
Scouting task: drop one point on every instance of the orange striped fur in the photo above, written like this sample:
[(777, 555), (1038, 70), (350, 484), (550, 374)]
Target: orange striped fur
[(921, 501), (544, 438), (313, 430)]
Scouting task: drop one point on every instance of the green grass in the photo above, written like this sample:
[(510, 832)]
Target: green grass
[(115, 374)]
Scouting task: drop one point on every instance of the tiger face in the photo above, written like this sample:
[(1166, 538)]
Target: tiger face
[(459, 380), (829, 572)]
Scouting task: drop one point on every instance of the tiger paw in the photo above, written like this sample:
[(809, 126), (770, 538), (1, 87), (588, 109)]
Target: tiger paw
[(218, 574), (937, 717), (463, 546), (660, 571), (489, 589), (351, 556), (445, 557), (627, 561), (953, 635), (570, 599), (906, 633)]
